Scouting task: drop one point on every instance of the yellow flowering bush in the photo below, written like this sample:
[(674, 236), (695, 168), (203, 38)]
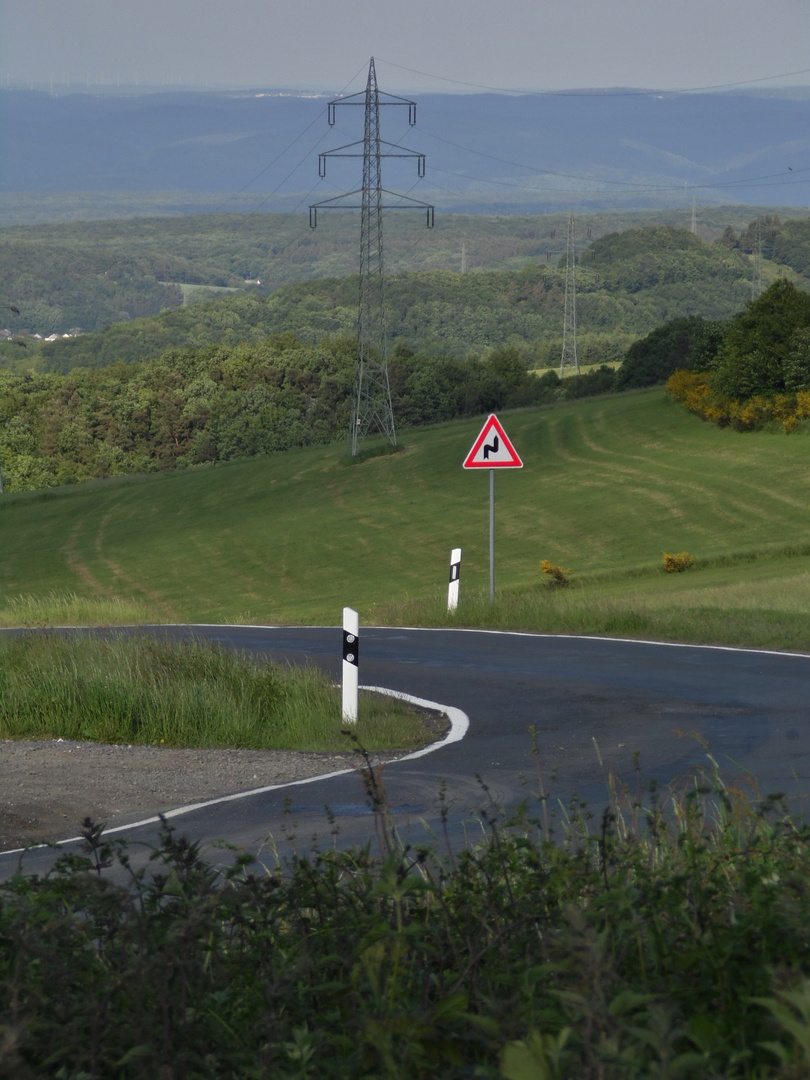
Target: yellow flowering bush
[(676, 564), (693, 389), (557, 576)]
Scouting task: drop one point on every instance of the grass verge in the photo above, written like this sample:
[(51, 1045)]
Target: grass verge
[(755, 600), (70, 609), (153, 692)]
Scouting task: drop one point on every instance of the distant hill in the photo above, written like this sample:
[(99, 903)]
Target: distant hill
[(176, 152), (81, 275), (627, 284)]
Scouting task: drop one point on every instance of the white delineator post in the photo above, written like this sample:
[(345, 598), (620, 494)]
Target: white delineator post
[(455, 572), (351, 646)]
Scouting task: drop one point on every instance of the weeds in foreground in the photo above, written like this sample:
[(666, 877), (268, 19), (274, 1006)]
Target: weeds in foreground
[(667, 937)]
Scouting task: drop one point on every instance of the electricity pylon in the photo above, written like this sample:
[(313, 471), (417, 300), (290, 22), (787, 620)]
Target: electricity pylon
[(756, 276), (372, 409), (569, 348)]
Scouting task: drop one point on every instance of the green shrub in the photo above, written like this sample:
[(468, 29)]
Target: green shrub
[(669, 937)]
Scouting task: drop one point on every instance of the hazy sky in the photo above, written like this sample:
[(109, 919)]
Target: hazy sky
[(418, 45)]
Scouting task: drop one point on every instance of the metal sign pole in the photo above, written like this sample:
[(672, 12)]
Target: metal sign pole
[(492, 536), (492, 450)]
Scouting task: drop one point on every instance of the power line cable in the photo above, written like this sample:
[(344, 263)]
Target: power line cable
[(281, 154), (598, 180), (615, 92)]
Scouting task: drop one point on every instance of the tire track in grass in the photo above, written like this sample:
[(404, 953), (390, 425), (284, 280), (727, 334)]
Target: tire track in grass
[(79, 568), (777, 495), (636, 481), (736, 508), (276, 570), (158, 599)]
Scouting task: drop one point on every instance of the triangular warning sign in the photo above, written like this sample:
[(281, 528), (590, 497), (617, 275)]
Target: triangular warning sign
[(492, 449)]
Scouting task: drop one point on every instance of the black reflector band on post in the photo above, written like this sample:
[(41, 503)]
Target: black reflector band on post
[(455, 575), (351, 648)]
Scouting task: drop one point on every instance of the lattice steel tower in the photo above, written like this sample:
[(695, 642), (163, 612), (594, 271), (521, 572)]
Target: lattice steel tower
[(569, 347), (756, 263), (372, 409)]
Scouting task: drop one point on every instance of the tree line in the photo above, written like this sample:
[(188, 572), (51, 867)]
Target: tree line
[(745, 371), (196, 406), (58, 275)]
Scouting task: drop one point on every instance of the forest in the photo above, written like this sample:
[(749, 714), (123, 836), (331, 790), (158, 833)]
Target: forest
[(627, 284), (81, 275), (216, 403), (753, 370), (254, 374)]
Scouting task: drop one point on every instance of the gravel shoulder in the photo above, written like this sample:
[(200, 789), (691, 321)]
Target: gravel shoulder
[(48, 787)]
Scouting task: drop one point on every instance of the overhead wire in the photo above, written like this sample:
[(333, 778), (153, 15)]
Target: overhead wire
[(780, 178), (626, 184), (770, 180), (268, 166), (609, 92), (597, 185), (289, 214)]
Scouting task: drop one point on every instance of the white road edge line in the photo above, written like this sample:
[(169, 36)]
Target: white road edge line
[(450, 711), (437, 630), (465, 630), (459, 724)]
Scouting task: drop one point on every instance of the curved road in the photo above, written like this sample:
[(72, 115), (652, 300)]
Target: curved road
[(628, 699)]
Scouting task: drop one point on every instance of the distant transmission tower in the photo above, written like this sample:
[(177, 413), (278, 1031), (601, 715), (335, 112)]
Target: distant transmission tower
[(569, 348), (371, 410), (756, 276)]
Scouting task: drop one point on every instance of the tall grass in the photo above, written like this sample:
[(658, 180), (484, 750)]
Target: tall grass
[(159, 693), (69, 609)]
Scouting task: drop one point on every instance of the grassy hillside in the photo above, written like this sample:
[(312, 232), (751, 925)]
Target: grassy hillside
[(608, 486)]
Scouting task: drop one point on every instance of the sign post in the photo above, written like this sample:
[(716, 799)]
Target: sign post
[(492, 450), (492, 536)]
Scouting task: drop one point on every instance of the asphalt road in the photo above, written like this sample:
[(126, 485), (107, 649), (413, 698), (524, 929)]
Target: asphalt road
[(595, 705)]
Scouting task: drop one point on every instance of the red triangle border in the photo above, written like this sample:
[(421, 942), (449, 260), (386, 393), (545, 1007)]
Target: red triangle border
[(493, 424)]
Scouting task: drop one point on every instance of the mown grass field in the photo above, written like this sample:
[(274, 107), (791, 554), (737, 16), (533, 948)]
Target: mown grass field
[(608, 486)]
